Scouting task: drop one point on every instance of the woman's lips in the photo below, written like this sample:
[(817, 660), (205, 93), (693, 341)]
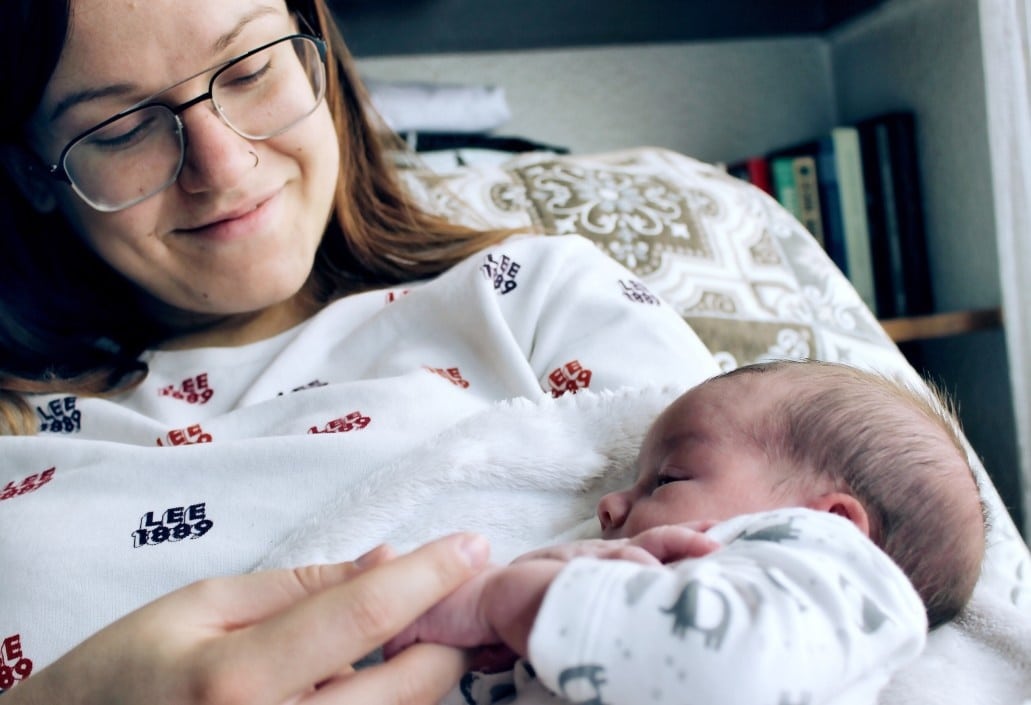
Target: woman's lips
[(239, 223)]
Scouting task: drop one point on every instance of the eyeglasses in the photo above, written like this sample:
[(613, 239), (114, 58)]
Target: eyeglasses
[(140, 151)]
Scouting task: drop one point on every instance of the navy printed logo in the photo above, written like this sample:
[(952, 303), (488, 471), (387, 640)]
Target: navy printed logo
[(174, 524), (311, 385), (501, 272), (59, 416), (638, 292)]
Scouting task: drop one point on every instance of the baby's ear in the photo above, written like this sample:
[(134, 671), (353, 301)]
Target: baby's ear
[(844, 505), (29, 175)]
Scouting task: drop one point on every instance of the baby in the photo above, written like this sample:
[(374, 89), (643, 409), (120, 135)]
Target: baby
[(794, 529)]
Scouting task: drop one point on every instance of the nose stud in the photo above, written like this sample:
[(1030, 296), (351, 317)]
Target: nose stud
[(255, 155)]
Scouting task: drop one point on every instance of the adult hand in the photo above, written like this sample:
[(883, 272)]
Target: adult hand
[(273, 638)]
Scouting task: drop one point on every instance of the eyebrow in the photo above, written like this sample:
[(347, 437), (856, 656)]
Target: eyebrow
[(120, 89)]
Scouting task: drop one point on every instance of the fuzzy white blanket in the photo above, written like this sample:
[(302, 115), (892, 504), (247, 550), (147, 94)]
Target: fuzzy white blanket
[(529, 473)]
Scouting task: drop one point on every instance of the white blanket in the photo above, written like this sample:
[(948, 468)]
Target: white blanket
[(530, 473)]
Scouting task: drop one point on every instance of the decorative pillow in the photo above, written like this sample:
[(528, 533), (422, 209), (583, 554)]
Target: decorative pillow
[(750, 280)]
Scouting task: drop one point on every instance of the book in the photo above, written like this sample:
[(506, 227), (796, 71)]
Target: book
[(808, 192), (830, 198), (848, 169), (782, 174), (758, 173), (895, 215)]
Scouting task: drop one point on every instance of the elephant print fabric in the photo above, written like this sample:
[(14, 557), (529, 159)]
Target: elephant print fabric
[(800, 600)]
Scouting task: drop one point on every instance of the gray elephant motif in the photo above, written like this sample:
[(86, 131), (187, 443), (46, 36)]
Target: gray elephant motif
[(775, 533), (592, 675), (685, 614)]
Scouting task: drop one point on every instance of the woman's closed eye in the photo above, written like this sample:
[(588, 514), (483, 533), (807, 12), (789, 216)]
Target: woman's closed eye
[(123, 134), (248, 79)]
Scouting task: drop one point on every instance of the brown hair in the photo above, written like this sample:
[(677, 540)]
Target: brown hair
[(71, 323), (900, 453)]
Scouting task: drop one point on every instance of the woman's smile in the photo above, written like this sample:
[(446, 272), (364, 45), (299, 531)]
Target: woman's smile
[(245, 220)]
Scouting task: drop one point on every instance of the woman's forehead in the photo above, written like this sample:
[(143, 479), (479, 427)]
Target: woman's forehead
[(132, 46)]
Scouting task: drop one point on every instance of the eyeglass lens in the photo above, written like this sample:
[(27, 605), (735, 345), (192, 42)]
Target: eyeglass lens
[(259, 96)]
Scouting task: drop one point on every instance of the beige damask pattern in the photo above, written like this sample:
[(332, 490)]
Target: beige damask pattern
[(742, 271), (737, 267)]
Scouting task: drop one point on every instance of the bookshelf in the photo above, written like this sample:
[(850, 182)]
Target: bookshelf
[(722, 80), (940, 325)]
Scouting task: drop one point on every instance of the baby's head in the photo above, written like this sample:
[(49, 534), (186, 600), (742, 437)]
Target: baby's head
[(825, 436)]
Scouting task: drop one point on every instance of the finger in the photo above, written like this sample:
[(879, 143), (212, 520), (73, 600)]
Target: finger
[(341, 623), (672, 543), (699, 524), (421, 674), (635, 554), (241, 600), (569, 551), (375, 556)]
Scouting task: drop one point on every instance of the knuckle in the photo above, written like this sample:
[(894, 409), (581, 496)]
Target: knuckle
[(215, 684), (371, 614)]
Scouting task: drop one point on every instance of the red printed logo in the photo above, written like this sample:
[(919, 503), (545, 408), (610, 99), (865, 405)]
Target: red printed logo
[(451, 374), (29, 484), (354, 421), (638, 292), (393, 296), (194, 390), (59, 416), (14, 666), (174, 524), (571, 377), (186, 436), (501, 272)]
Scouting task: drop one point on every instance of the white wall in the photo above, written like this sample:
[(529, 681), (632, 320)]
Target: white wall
[(714, 101), (1006, 38)]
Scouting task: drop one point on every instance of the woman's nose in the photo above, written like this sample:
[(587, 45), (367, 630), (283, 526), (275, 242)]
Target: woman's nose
[(612, 510), (216, 157)]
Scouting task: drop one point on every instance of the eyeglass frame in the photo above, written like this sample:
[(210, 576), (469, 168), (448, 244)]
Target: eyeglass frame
[(59, 172)]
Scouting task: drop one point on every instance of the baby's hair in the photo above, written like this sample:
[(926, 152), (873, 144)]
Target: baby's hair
[(900, 452)]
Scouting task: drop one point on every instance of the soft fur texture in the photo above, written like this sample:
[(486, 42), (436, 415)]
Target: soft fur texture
[(529, 473)]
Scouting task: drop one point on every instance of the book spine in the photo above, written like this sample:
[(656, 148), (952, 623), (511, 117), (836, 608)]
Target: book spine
[(901, 135), (833, 230), (807, 187), (758, 169), (877, 221), (783, 175), (848, 167), (892, 232)]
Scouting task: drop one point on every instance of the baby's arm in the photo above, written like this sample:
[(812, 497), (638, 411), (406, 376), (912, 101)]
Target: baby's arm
[(799, 606), (499, 605)]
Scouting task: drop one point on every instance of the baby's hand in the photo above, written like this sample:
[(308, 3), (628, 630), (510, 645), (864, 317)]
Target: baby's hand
[(457, 620), (675, 542), (661, 544)]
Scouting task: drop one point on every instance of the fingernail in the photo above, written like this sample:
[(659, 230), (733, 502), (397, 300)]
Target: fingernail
[(475, 548)]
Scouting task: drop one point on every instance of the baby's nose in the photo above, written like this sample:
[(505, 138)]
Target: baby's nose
[(612, 510)]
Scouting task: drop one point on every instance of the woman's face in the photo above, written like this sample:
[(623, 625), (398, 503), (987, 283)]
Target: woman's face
[(230, 236)]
